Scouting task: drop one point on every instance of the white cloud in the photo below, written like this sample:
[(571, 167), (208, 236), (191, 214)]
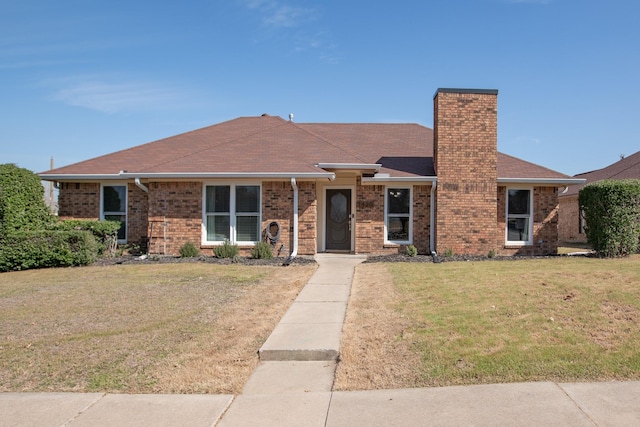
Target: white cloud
[(527, 140), (98, 94), (302, 25), (286, 16), (255, 4), (320, 43), (277, 14)]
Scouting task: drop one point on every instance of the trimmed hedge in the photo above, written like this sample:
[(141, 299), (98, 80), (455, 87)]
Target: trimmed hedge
[(105, 232), (22, 205), (41, 249), (31, 237), (612, 213)]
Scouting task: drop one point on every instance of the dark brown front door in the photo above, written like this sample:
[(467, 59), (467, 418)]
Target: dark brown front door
[(338, 214)]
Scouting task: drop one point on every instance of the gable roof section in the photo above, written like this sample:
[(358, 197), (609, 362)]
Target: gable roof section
[(513, 169), (626, 168), (210, 149), (403, 150), (268, 146)]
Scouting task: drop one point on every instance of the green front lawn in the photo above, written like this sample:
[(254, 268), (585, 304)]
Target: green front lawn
[(561, 319)]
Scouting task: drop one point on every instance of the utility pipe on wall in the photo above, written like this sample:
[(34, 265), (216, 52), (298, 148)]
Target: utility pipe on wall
[(294, 249), (432, 231), (141, 185)]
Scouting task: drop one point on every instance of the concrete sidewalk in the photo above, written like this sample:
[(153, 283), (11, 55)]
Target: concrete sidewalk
[(292, 387), (525, 404)]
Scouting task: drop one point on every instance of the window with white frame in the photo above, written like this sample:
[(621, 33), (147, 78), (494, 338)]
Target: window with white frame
[(519, 216), (232, 212), (114, 207), (397, 219)]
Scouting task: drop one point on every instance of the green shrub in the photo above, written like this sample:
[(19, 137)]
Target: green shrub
[(261, 250), (412, 251), (22, 206), (226, 250), (105, 232), (448, 252), (40, 249), (188, 250), (491, 254), (131, 249), (612, 213)]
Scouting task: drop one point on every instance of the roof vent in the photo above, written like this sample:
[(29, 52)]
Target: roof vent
[(290, 117)]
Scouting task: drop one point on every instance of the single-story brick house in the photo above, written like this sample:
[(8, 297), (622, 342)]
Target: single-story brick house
[(322, 187), (570, 222)]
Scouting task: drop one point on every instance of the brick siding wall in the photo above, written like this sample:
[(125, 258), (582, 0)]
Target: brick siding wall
[(175, 212), (277, 205), (545, 223), (369, 232), (79, 201), (569, 220), (370, 220), (171, 214), (545, 220), (137, 216), (421, 217), (82, 201), (465, 157), (307, 218)]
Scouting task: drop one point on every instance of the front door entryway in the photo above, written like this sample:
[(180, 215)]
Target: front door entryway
[(338, 219)]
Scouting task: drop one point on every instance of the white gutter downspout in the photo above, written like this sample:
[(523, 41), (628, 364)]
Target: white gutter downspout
[(141, 185), (432, 231), (294, 250)]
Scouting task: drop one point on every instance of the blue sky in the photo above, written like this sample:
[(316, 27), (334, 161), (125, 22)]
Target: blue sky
[(82, 78)]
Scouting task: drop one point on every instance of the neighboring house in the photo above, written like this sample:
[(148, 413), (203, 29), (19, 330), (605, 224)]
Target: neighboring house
[(570, 222), (355, 188)]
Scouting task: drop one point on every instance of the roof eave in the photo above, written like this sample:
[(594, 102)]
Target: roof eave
[(350, 166), (393, 179), (542, 181), (188, 175), (79, 177)]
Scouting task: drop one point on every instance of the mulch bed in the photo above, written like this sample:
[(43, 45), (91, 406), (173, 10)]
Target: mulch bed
[(166, 259), (453, 258), (302, 260)]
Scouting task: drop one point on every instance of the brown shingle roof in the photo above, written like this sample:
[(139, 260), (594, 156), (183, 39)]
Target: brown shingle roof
[(512, 167), (402, 149), (626, 168), (269, 144)]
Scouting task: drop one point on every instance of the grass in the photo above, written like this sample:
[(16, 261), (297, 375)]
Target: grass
[(168, 328), (563, 319), (195, 328)]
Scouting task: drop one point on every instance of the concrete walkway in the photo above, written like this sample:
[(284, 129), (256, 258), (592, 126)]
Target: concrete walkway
[(292, 387), (526, 404), (310, 330)]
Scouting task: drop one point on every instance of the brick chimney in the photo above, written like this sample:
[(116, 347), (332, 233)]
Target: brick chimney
[(465, 158)]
